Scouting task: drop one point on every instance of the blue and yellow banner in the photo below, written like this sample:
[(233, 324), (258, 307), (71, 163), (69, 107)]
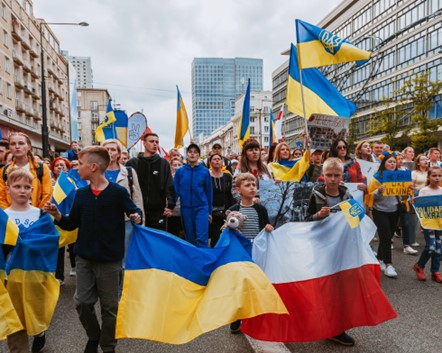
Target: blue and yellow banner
[(319, 47), (353, 212), (182, 121), (291, 170), (106, 130), (8, 230), (244, 121), (320, 96), (175, 298), (121, 126), (429, 211), (32, 285), (63, 187), (397, 182)]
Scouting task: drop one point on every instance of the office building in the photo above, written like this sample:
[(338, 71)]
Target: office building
[(405, 37), (216, 84), (83, 68)]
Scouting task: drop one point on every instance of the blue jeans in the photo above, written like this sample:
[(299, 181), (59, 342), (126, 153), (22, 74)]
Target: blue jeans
[(405, 225), (427, 253)]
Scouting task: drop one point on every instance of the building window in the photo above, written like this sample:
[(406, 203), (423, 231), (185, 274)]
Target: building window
[(94, 105), (4, 12), (8, 90), (5, 38)]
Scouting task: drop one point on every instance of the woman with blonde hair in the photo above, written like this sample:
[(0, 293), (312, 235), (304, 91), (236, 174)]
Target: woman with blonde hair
[(20, 147), (363, 151)]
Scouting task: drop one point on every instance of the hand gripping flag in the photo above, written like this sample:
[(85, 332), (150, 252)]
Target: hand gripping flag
[(319, 47), (182, 121), (32, 285), (321, 97), (176, 298), (244, 121), (327, 276), (106, 130)]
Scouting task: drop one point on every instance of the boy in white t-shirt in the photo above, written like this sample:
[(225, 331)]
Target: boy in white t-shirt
[(19, 188)]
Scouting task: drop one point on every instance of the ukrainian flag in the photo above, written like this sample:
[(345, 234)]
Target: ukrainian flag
[(429, 211), (8, 230), (182, 121), (63, 196), (244, 121), (9, 320), (106, 130), (175, 298), (272, 135), (320, 96), (291, 170), (319, 47), (353, 212), (32, 285), (120, 126)]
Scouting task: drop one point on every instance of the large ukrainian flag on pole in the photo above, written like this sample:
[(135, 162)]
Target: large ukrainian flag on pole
[(182, 121), (106, 130), (321, 97), (244, 121), (319, 47), (175, 298)]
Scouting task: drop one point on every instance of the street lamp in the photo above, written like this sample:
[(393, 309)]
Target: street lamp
[(44, 111)]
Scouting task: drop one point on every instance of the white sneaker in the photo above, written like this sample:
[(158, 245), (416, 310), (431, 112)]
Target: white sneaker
[(392, 246), (408, 250), (382, 265), (415, 244), (390, 271), (72, 273)]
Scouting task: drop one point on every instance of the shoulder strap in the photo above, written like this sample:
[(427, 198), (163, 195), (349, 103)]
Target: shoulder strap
[(130, 178), (5, 175)]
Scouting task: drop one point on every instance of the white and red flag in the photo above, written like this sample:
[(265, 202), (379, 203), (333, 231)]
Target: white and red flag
[(327, 277), (278, 124)]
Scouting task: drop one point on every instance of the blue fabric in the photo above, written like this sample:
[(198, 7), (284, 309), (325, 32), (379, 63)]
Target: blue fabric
[(287, 163), (112, 175), (433, 255), (196, 225), (149, 246)]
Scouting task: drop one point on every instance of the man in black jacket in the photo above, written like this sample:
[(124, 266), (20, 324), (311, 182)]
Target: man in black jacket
[(156, 183)]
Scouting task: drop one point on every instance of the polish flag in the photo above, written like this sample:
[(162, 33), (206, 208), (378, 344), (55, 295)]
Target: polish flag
[(163, 153), (278, 124), (327, 277)]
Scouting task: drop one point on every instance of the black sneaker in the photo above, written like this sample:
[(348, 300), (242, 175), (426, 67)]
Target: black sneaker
[(91, 347), (38, 343), (235, 327), (343, 339)]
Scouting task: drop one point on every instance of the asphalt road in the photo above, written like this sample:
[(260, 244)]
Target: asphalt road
[(416, 330)]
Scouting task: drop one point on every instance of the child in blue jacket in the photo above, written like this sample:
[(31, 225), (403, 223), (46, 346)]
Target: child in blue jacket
[(193, 185)]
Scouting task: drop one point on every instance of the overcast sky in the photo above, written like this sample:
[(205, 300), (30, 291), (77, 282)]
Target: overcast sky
[(141, 49)]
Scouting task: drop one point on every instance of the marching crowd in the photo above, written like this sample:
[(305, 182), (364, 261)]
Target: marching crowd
[(189, 197)]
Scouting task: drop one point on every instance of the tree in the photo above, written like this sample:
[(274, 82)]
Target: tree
[(419, 93)]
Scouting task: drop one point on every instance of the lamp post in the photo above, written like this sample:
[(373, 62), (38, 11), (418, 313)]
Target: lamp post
[(44, 111)]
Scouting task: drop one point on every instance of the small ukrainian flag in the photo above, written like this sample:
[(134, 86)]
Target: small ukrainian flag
[(353, 212)]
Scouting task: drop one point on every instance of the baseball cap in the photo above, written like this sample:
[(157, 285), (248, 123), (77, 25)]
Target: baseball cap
[(194, 145), (217, 145)]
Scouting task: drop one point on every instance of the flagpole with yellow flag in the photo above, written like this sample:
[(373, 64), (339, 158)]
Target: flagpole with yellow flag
[(182, 122), (244, 121)]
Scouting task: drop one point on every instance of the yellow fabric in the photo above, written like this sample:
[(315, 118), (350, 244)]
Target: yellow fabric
[(373, 185), (313, 54), (11, 233), (397, 189), (34, 295), (41, 192), (9, 320), (162, 306), (182, 123), (67, 236), (291, 174)]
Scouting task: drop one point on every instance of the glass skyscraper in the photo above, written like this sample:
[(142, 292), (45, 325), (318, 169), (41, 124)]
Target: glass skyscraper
[(216, 83)]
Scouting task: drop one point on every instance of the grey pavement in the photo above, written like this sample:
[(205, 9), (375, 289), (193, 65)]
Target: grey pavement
[(416, 330)]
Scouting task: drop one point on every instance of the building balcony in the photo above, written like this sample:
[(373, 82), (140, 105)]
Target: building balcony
[(28, 88), (20, 106), (35, 71), (18, 81), (27, 66), (33, 51), (17, 56), (35, 93), (16, 31), (36, 114)]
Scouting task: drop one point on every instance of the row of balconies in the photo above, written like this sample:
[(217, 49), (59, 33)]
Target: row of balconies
[(55, 90), (28, 66), (57, 125), (26, 86), (21, 35), (22, 107), (55, 72)]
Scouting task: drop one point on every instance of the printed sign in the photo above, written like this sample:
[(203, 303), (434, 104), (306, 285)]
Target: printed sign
[(397, 183), (429, 211), (324, 129), (136, 126)]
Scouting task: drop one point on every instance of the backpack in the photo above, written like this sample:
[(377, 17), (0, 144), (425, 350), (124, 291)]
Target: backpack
[(39, 172)]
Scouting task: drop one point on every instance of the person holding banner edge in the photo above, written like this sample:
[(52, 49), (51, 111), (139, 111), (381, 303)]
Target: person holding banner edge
[(432, 237)]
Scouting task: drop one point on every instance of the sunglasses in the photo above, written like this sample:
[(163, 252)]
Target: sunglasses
[(216, 147), (341, 148)]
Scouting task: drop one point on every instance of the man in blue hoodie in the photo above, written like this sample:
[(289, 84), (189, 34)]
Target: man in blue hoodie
[(193, 185)]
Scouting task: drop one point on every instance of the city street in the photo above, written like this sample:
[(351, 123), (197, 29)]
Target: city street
[(417, 328)]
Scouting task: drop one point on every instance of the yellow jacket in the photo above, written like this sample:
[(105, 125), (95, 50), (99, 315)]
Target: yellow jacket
[(41, 192)]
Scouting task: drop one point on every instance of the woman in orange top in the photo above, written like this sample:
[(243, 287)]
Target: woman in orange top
[(20, 146)]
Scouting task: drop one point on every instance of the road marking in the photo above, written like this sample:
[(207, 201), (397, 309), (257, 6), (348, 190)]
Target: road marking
[(266, 347)]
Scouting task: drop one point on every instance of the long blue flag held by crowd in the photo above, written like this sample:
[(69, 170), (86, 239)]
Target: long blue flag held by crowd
[(175, 298)]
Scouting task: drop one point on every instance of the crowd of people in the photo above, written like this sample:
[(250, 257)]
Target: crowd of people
[(188, 196)]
